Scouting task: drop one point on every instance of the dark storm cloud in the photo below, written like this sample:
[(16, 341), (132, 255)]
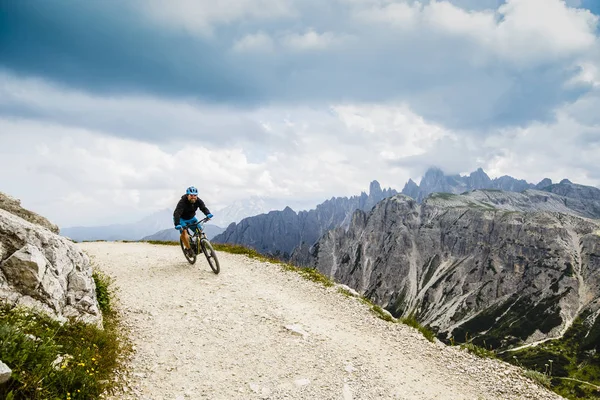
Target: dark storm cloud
[(111, 48)]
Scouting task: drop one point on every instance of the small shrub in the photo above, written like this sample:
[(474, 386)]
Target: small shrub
[(538, 377)]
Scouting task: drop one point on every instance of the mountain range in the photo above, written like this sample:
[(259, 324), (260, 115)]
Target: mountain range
[(435, 180), (280, 233)]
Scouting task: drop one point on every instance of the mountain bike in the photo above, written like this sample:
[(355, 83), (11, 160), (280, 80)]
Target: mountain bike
[(199, 242)]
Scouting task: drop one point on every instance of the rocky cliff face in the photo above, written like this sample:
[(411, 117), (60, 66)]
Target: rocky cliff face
[(41, 269), (282, 233), (505, 268)]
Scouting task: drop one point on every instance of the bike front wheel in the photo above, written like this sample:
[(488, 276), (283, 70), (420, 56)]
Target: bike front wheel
[(211, 255)]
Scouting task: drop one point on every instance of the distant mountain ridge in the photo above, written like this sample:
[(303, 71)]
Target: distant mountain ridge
[(435, 181), (289, 235), (280, 233)]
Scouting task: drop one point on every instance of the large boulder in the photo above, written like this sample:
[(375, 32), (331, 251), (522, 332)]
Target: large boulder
[(41, 269), (13, 206)]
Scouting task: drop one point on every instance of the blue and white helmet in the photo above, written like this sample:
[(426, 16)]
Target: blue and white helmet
[(192, 190)]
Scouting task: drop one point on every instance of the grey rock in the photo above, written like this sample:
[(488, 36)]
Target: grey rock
[(45, 271), (13, 206), (511, 268), (5, 373)]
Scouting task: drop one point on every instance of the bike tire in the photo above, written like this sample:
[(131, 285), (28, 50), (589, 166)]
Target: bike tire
[(211, 255), (190, 259)]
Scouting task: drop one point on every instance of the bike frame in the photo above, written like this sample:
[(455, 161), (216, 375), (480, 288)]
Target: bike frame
[(196, 229)]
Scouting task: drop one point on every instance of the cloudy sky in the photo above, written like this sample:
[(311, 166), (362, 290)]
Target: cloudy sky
[(110, 109)]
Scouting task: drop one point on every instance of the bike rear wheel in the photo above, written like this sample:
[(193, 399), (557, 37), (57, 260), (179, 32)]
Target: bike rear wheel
[(191, 257), (211, 255)]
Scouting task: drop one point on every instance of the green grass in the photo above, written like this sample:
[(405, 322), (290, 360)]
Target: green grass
[(50, 360), (572, 363), (411, 320), (478, 350), (165, 243), (103, 292)]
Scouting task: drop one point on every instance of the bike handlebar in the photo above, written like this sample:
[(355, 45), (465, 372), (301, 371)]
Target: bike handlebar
[(203, 220)]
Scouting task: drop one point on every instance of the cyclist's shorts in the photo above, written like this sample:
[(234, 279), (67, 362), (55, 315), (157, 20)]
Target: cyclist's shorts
[(184, 222)]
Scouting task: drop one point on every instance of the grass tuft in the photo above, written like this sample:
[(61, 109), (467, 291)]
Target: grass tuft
[(411, 320)]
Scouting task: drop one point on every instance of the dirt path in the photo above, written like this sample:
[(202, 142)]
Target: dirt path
[(256, 331)]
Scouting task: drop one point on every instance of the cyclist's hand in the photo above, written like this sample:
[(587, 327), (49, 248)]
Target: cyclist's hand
[(209, 216), (179, 228)]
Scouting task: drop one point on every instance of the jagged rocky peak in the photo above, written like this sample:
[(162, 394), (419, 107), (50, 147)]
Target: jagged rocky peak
[(479, 179), (43, 270), (375, 189), (544, 183)]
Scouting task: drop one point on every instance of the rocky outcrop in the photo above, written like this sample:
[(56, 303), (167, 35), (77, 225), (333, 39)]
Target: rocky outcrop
[(504, 268), (41, 269), (13, 206), (284, 233)]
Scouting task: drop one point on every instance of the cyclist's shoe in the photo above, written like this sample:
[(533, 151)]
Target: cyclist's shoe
[(189, 252)]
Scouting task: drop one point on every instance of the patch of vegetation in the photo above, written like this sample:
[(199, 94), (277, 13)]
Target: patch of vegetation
[(382, 314), (479, 351), (165, 243), (411, 320), (50, 360), (345, 292), (103, 293), (443, 195), (571, 364), (538, 377), (511, 322)]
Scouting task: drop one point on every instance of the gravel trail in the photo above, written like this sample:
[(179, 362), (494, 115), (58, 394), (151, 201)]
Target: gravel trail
[(256, 331)]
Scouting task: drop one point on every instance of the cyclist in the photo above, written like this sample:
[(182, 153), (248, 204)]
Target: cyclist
[(185, 214)]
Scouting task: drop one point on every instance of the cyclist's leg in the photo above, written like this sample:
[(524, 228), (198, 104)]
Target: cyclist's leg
[(185, 238)]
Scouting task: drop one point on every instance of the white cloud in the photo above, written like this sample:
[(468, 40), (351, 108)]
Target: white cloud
[(259, 41), (399, 14), (311, 40), (518, 31)]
